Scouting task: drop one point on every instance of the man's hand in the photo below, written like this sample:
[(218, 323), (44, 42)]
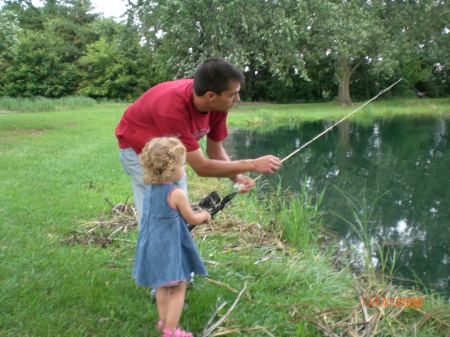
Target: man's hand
[(247, 183), (267, 164)]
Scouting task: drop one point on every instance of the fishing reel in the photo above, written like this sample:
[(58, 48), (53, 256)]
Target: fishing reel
[(213, 204), (211, 200)]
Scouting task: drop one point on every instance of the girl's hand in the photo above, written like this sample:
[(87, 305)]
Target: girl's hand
[(179, 200), (207, 216)]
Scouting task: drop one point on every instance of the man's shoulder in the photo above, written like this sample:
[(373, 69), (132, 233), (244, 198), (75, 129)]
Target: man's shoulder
[(175, 84), (169, 93)]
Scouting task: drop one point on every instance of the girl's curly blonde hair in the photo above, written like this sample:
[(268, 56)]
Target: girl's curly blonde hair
[(158, 158)]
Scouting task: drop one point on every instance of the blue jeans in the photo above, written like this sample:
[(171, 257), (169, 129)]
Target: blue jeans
[(130, 162)]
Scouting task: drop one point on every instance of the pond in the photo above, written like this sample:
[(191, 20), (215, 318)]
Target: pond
[(405, 161)]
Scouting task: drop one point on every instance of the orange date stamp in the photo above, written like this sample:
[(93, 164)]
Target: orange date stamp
[(398, 302)]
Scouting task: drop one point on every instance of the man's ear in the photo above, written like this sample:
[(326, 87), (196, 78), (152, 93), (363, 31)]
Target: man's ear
[(210, 95)]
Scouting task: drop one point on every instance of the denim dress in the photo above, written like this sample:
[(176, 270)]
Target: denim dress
[(165, 253)]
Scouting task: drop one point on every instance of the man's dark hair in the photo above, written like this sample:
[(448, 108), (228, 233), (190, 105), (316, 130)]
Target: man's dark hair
[(215, 75)]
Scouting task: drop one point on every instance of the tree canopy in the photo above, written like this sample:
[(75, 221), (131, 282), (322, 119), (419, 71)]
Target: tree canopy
[(289, 50)]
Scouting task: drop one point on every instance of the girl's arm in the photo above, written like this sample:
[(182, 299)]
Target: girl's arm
[(178, 199)]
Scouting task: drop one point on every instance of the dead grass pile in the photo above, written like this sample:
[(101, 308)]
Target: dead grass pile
[(123, 218), (248, 235)]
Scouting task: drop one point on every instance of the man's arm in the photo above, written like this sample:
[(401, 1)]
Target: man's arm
[(219, 164)]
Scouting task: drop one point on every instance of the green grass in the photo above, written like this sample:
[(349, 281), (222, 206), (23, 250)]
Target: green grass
[(57, 168), (266, 116), (297, 218), (45, 104)]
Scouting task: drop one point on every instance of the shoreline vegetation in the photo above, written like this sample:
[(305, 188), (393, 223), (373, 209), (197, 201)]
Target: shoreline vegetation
[(69, 229)]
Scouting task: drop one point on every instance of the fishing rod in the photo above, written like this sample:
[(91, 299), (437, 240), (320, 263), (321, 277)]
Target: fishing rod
[(332, 126), (419, 94), (213, 201)]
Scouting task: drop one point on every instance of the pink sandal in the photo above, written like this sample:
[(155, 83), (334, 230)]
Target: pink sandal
[(177, 333), (159, 325)]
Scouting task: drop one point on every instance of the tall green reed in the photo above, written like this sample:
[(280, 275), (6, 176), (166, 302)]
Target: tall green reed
[(363, 224), (300, 217), (388, 261), (296, 217)]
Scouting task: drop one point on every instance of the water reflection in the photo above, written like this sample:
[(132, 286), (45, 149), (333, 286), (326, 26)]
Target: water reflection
[(406, 157)]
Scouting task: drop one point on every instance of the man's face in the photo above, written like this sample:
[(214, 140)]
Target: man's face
[(227, 98)]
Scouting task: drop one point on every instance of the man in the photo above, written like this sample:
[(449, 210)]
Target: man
[(189, 109)]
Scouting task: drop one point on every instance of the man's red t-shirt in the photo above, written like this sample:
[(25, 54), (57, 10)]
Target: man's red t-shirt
[(167, 109)]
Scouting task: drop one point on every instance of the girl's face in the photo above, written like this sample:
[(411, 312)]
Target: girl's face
[(179, 169)]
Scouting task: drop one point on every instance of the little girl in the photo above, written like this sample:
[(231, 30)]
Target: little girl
[(166, 254)]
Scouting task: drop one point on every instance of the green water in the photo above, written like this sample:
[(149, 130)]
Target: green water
[(408, 158)]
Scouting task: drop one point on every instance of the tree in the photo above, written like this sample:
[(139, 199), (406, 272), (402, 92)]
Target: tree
[(256, 35), (9, 31), (348, 34), (289, 50), (40, 68), (426, 40), (385, 39), (53, 40), (115, 66), (28, 15)]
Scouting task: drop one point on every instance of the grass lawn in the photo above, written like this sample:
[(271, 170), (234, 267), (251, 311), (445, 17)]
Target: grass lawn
[(57, 167)]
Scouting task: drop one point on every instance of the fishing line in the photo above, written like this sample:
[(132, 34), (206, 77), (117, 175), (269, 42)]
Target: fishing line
[(342, 119)]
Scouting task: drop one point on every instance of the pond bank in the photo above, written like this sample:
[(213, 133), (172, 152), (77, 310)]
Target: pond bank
[(316, 285)]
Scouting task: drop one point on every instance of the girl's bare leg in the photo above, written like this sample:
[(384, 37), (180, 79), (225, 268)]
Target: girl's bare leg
[(174, 306), (162, 301)]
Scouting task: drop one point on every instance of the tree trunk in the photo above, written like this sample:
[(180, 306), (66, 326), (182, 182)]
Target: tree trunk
[(249, 84), (344, 136), (344, 82)]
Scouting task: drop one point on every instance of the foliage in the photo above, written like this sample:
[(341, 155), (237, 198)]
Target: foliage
[(290, 51), (9, 30), (115, 65), (349, 34), (253, 34), (65, 50), (43, 67)]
